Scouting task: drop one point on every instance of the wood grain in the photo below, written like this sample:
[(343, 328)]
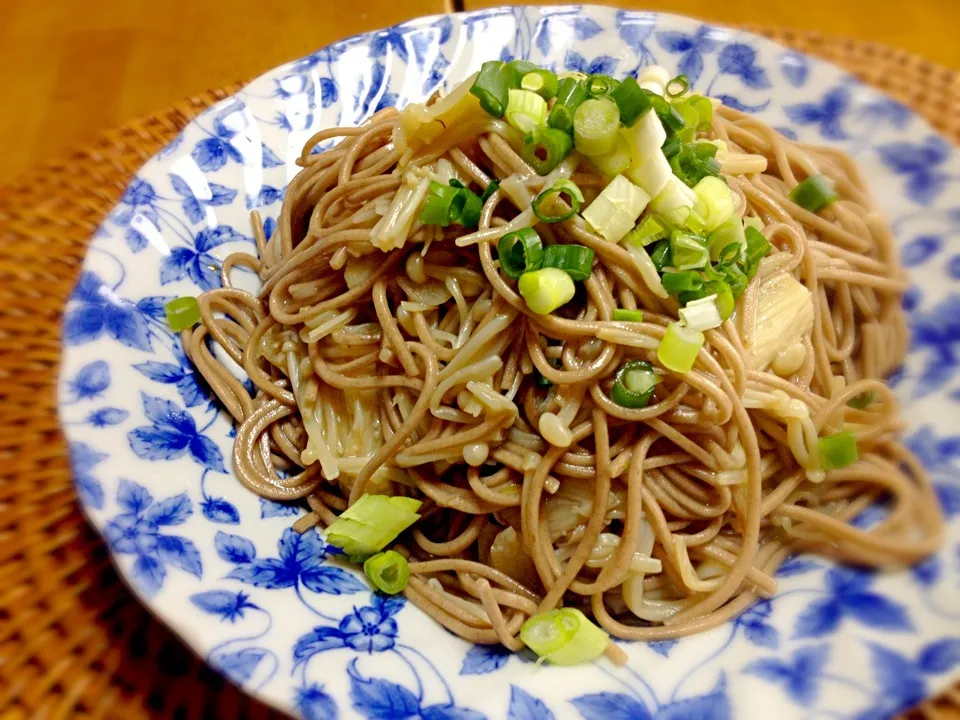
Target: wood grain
[(71, 68)]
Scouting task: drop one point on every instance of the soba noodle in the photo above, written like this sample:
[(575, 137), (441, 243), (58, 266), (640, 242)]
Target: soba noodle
[(395, 358)]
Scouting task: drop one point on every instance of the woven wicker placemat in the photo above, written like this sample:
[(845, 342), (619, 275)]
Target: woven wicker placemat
[(73, 642)]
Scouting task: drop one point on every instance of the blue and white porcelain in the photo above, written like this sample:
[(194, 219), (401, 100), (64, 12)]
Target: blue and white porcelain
[(278, 614)]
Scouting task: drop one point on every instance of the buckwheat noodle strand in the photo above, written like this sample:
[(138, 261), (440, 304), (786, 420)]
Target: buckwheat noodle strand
[(405, 366)]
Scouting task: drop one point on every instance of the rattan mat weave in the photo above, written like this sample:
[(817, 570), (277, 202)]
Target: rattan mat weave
[(73, 641)]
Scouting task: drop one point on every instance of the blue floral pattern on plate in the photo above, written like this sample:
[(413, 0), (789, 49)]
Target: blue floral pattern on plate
[(279, 613)]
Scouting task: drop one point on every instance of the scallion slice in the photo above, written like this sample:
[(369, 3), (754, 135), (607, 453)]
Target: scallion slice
[(595, 126), (601, 85), (616, 161), (371, 523), (634, 384), (688, 251), (451, 204), (661, 257), (677, 282), (648, 231), (546, 289), (542, 82), (562, 187), (388, 571), (715, 202), (525, 110), (757, 248), (671, 119), (704, 109), (182, 313), (570, 94), (575, 260), (624, 315), (519, 69), (677, 86), (466, 208), (814, 193), (436, 208), (614, 212), (702, 314), (491, 189), (491, 87), (679, 348), (519, 252), (544, 148), (631, 100), (838, 450), (728, 234), (564, 637)]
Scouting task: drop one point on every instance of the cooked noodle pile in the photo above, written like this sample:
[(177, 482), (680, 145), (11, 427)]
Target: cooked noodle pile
[(395, 358)]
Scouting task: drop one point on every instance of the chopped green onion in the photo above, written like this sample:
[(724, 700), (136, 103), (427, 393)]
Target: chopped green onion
[(677, 86), (519, 69), (862, 400), (525, 110), (688, 251), (691, 120), (672, 146), (679, 348), (661, 256), (724, 301), (838, 450), (519, 252), (814, 193), (546, 289), (677, 282), (754, 222), (446, 204), (671, 119), (616, 161), (737, 279), (704, 109), (624, 315), (648, 231), (595, 125), (615, 210), (564, 187), (575, 260), (388, 571), (371, 523), (456, 183), (630, 99), (564, 637), (182, 313), (757, 248), (695, 162), (601, 85), (491, 87), (544, 148), (570, 94), (702, 314), (727, 234), (715, 202), (542, 82), (491, 189), (437, 207), (674, 195), (465, 209), (634, 384)]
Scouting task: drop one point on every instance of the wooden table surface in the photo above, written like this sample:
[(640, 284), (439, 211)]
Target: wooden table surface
[(72, 68)]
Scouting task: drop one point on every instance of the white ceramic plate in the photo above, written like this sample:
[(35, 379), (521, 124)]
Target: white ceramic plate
[(269, 610)]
